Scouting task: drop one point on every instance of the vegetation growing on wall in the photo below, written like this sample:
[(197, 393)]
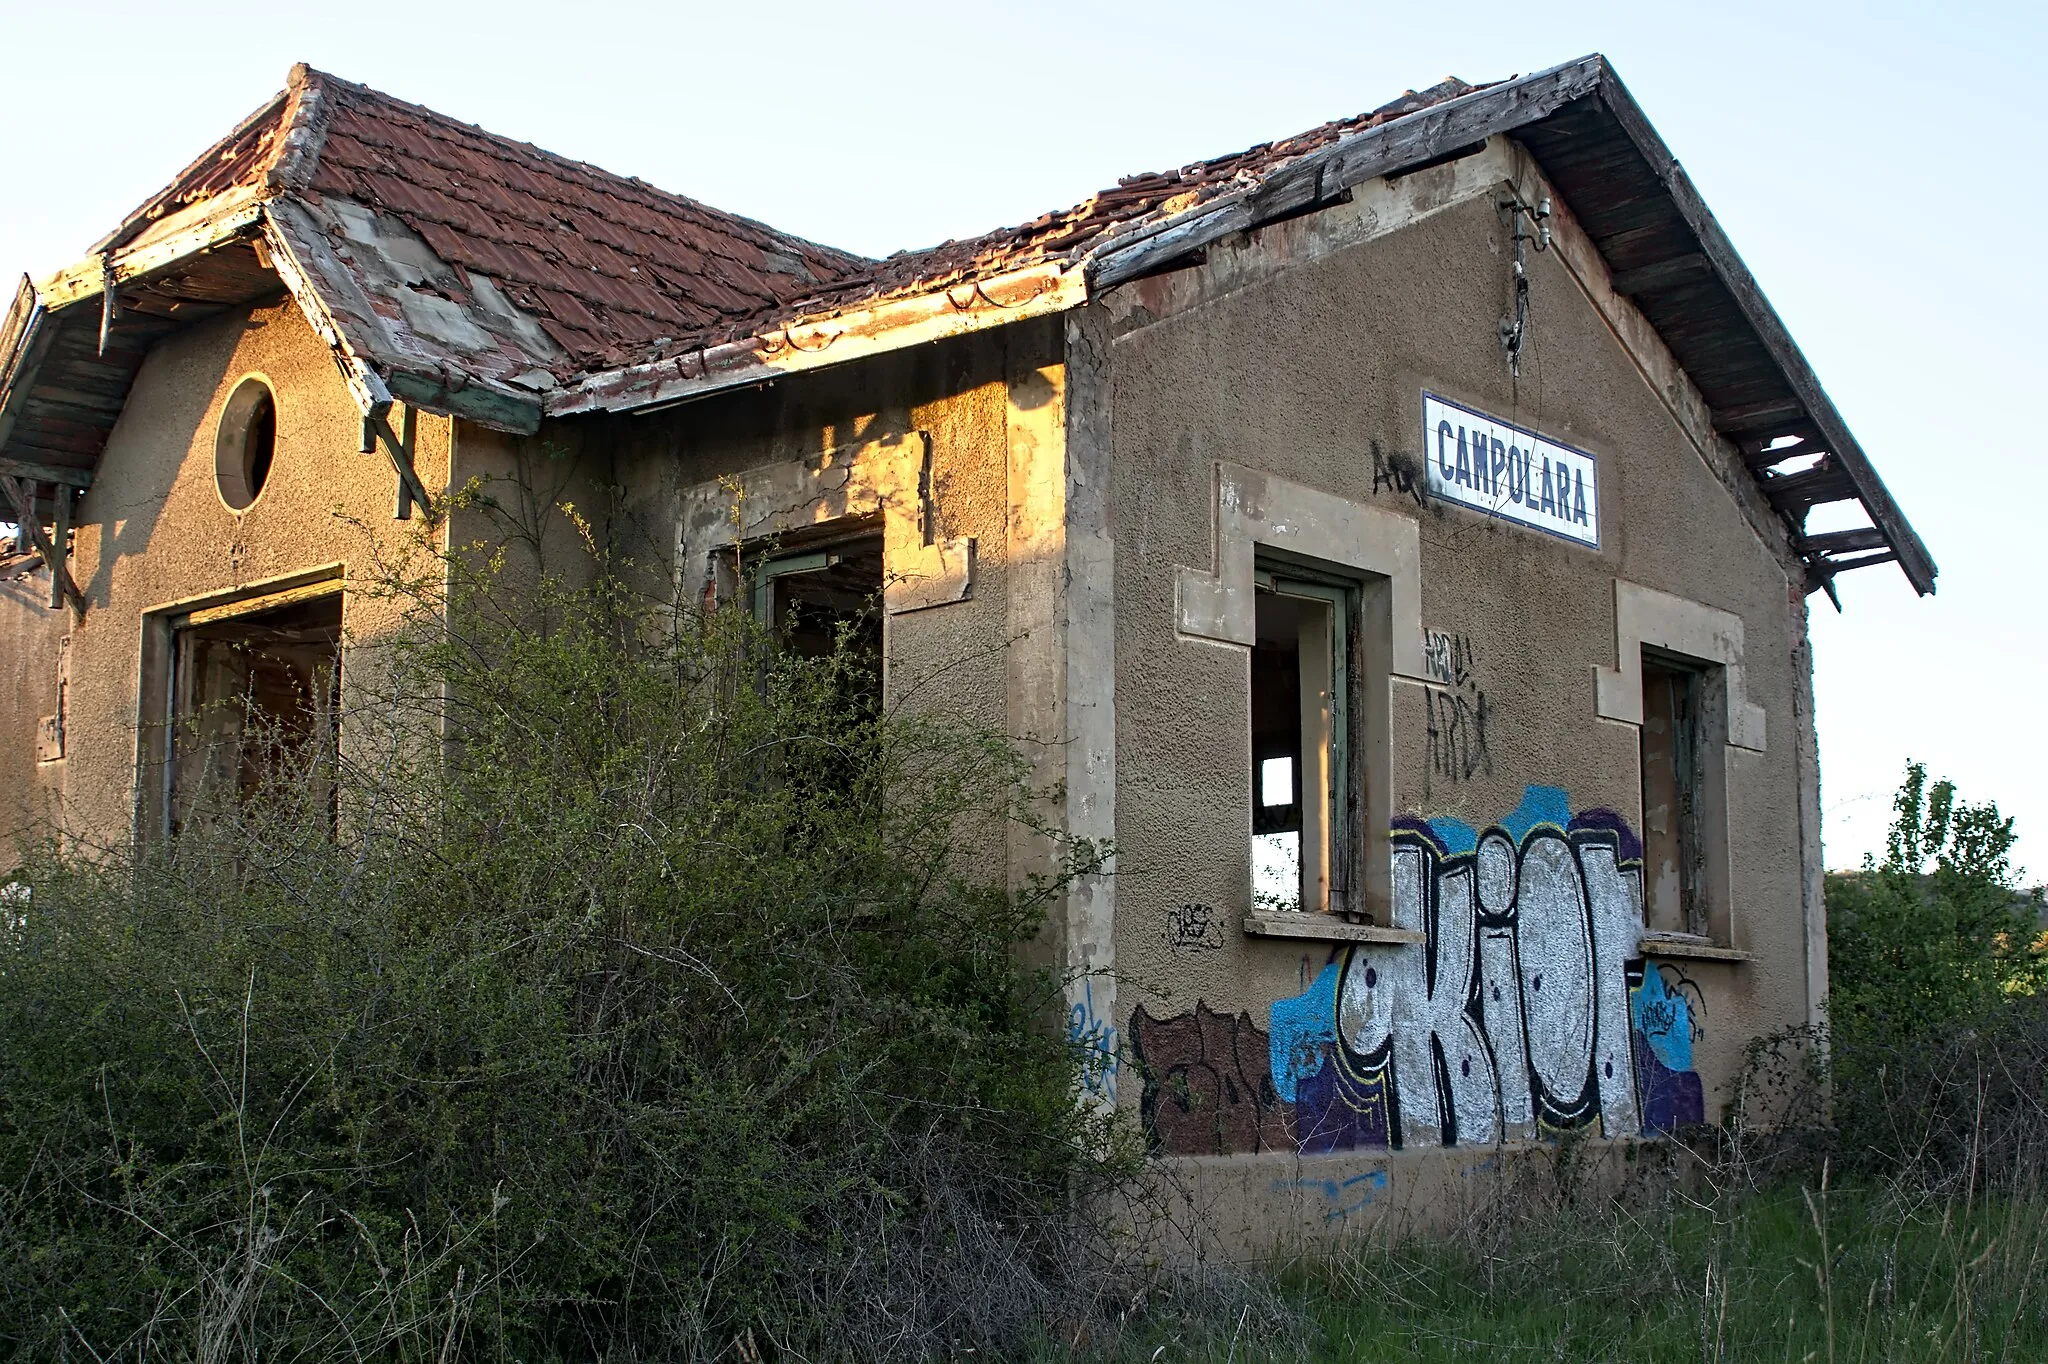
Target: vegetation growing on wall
[(628, 998)]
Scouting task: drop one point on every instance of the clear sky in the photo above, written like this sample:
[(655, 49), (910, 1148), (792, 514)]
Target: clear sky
[(1874, 163)]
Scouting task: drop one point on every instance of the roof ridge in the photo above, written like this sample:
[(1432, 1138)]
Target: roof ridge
[(145, 212)]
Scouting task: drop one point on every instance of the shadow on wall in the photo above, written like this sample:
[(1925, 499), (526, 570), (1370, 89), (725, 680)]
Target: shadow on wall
[(1524, 1015)]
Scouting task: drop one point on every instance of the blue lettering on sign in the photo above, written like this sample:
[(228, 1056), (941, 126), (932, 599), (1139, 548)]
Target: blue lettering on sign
[(1505, 470)]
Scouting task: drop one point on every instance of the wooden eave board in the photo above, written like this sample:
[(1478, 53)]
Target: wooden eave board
[(63, 412), (1608, 176)]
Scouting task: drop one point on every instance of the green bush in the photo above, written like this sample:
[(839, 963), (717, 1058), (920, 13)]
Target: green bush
[(629, 997), (1938, 1025)]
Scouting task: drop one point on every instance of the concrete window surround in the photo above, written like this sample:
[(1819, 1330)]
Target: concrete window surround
[(1259, 516), (157, 683), (1706, 634), (1711, 639), (889, 477)]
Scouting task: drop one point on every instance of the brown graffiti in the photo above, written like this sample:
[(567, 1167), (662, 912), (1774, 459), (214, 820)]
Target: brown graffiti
[(1208, 1084)]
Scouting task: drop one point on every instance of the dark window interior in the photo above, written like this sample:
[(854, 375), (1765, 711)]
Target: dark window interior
[(1276, 717), (254, 701), (1301, 788), (259, 447), (1673, 856), (812, 598)]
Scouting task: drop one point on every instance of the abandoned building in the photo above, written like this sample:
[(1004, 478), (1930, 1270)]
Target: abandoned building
[(1394, 538)]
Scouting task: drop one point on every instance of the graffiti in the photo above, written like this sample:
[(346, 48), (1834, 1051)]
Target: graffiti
[(1457, 733), (1400, 472), (1191, 928), (1448, 658), (1456, 711), (1344, 1196), (1097, 1037), (1524, 1013), (1665, 1008), (1207, 1087)]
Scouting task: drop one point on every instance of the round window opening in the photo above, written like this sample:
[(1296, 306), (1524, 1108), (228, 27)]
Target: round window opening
[(246, 444)]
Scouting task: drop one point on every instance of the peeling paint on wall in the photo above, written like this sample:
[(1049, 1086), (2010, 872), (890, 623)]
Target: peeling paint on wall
[(1526, 1012)]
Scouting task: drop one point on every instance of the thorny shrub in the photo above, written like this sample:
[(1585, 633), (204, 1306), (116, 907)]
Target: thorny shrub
[(630, 996)]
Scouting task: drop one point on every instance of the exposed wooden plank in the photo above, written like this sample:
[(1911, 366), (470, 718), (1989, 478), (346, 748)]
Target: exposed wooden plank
[(235, 213), (24, 343), (59, 474), (290, 235), (410, 489), (60, 545), (1842, 541), (1770, 330), (1826, 482), (1677, 270), (269, 601), (1767, 415), (1821, 573), (23, 500)]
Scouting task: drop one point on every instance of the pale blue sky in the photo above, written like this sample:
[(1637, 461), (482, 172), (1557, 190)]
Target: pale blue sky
[(1872, 162)]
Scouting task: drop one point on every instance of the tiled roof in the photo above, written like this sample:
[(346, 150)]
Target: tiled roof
[(605, 264), (473, 275), (611, 269)]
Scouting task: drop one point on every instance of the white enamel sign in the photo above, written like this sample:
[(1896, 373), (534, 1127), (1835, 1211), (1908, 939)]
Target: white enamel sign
[(1509, 471)]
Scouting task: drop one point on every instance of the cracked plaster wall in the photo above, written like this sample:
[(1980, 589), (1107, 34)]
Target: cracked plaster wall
[(1314, 374)]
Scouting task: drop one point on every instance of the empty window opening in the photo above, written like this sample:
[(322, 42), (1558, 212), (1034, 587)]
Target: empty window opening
[(1303, 798), (245, 445), (825, 603), (1674, 807), (253, 706), (814, 599)]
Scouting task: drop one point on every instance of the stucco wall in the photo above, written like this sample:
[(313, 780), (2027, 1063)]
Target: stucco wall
[(153, 530), (948, 656), (1303, 374), (33, 635)]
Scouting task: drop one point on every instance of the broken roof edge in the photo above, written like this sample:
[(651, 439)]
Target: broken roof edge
[(136, 221), (818, 341), (1308, 182), (1727, 264), (799, 341)]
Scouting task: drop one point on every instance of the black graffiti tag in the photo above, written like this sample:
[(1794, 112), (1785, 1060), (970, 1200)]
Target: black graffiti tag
[(1401, 472), (1457, 709)]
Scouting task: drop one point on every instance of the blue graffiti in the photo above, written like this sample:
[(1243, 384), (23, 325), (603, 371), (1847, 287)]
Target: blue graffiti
[(1541, 805), (1524, 1012), (1303, 1032), (1344, 1196), (1098, 1037), (1671, 1093), (1665, 1021)]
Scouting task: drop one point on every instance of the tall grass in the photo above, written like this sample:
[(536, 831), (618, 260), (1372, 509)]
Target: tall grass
[(1873, 1272)]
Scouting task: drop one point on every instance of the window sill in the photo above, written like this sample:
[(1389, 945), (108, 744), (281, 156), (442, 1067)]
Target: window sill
[(1323, 928), (1686, 945)]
